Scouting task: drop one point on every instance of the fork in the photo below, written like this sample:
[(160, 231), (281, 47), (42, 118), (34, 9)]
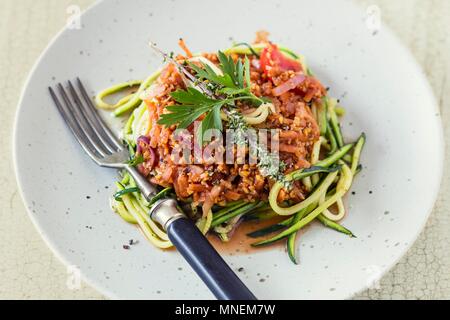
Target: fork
[(106, 150)]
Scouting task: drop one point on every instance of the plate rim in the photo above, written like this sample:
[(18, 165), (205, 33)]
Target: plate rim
[(441, 147)]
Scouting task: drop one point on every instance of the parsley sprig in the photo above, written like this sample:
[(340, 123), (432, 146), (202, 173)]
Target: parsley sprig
[(231, 82), (193, 104), (229, 87)]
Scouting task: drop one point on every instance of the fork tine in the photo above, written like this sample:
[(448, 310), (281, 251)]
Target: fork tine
[(82, 123), (97, 119), (76, 130), (107, 144)]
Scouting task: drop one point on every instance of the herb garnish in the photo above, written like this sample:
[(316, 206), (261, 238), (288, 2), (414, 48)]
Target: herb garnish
[(237, 123), (270, 166), (193, 104), (268, 163), (229, 87), (135, 160), (118, 195), (231, 81)]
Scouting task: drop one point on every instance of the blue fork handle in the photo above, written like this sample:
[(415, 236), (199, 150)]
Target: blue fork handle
[(206, 262)]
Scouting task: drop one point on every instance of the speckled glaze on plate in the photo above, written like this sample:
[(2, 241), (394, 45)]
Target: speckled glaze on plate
[(377, 80)]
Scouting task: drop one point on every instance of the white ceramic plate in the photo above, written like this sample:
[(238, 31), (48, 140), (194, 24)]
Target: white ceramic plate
[(386, 95)]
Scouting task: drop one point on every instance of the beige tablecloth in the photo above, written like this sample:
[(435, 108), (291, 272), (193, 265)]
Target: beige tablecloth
[(29, 270)]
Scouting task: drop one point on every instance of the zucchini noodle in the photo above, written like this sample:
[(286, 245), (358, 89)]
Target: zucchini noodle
[(319, 113), (141, 124), (204, 224), (342, 188), (316, 150), (256, 117), (132, 210), (266, 105), (155, 228), (259, 119), (341, 210), (122, 211), (127, 130), (331, 103), (315, 196), (315, 158), (340, 204), (148, 232), (307, 183), (129, 102), (357, 152), (300, 174), (99, 99)]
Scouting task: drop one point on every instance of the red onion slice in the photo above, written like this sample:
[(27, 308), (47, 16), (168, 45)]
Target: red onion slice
[(292, 83)]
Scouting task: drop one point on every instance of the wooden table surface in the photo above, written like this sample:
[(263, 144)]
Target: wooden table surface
[(29, 270)]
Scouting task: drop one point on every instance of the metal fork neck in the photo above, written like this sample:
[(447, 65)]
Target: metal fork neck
[(148, 190)]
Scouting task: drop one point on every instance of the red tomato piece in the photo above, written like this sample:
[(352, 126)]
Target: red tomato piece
[(272, 57)]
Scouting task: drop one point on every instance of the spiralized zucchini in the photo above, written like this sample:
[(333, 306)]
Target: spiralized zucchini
[(340, 204), (130, 101), (343, 186), (204, 224), (134, 209), (141, 125), (99, 99), (256, 117)]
